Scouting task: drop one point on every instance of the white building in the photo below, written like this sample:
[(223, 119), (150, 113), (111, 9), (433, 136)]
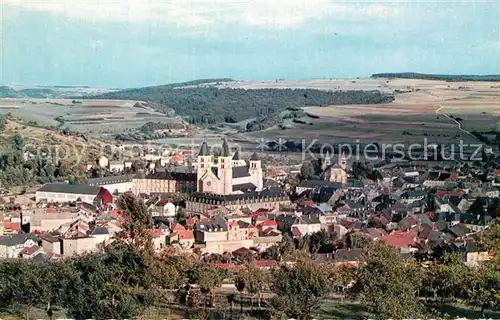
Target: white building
[(63, 192)]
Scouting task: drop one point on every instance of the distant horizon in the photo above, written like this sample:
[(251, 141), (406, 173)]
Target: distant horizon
[(245, 80)]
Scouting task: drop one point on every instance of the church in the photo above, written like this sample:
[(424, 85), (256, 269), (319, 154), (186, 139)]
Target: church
[(336, 172), (229, 174)]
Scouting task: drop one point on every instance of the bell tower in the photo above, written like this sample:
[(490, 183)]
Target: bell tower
[(343, 161), (226, 169), (204, 164), (255, 171)]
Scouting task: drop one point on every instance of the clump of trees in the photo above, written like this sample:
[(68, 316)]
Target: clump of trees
[(211, 105), (128, 277)]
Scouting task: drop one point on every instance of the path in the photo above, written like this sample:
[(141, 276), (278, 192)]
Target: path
[(453, 119), (456, 121)]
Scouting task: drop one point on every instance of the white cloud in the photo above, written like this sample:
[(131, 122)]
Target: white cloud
[(203, 13)]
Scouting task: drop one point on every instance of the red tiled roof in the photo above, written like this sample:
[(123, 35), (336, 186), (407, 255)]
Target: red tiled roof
[(346, 223), (267, 223), (242, 250), (53, 255), (265, 263), (116, 214), (451, 193), (308, 203), (156, 233), (190, 221), (403, 240), (296, 232), (233, 223), (29, 251), (185, 234), (228, 266), (16, 226), (176, 226), (161, 203)]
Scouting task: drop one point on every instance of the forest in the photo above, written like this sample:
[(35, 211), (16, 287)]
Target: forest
[(211, 105), (444, 77), (128, 278)]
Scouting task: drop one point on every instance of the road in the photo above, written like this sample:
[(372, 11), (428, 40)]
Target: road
[(456, 121)]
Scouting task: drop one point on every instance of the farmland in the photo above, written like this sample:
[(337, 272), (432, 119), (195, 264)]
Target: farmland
[(97, 118), (422, 109), (418, 112)]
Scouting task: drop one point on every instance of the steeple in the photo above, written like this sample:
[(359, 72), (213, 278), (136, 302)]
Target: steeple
[(236, 159), (226, 152), (254, 157), (327, 161), (343, 161), (204, 151), (236, 155)]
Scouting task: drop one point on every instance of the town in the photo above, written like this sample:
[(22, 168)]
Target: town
[(229, 209)]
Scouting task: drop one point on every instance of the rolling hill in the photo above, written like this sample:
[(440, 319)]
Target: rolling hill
[(203, 102), (445, 77)]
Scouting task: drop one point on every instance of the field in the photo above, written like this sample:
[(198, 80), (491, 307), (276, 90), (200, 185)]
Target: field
[(422, 109), (96, 118)]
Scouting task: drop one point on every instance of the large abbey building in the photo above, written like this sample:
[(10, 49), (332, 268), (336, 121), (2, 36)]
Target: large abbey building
[(229, 174), (232, 183)]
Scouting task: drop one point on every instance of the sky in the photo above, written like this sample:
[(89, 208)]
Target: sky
[(133, 43)]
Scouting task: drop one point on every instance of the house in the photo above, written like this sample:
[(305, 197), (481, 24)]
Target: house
[(63, 192), (159, 239), (116, 166), (306, 224), (278, 175), (314, 184), (51, 243), (114, 184), (164, 208), (405, 241), (11, 246), (163, 181), (185, 238), (30, 252), (350, 257), (411, 196), (103, 162)]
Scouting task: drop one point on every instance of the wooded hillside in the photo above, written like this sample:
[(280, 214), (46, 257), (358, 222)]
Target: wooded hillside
[(210, 105)]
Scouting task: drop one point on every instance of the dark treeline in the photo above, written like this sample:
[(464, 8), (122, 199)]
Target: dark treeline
[(445, 77), (129, 277), (210, 105)]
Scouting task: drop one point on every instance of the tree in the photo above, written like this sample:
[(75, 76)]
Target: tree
[(207, 278), (240, 284), (485, 287), (307, 170), (384, 282), (255, 281), (136, 227), (321, 242), (301, 288), (106, 286), (356, 240)]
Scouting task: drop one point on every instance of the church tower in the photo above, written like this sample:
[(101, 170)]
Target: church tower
[(236, 159), (204, 164), (225, 169), (327, 161), (343, 161), (255, 171)]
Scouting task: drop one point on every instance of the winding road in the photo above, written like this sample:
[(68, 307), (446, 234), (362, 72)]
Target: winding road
[(456, 121)]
